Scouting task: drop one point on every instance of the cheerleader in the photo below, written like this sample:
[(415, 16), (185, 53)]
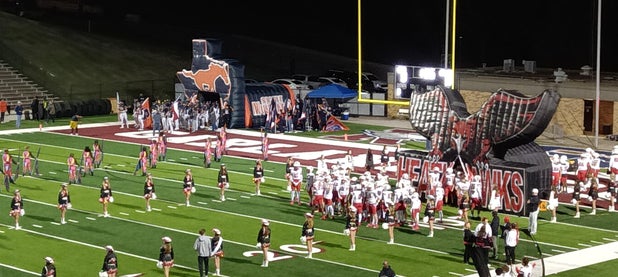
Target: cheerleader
[(263, 240), (149, 191), (223, 181), (576, 196), (188, 186), (217, 249), (17, 208), (105, 195), (391, 229), (208, 153), (430, 213), (351, 227), (64, 202), (307, 234), (110, 262), (166, 255), (258, 176)]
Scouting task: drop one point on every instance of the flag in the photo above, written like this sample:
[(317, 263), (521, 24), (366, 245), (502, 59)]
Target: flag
[(146, 113), (333, 124), (118, 104), (175, 110), (271, 116)]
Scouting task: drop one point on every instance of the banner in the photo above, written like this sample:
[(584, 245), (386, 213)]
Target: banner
[(333, 124), (146, 113)]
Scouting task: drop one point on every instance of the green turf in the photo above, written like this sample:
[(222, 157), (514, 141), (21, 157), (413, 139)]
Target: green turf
[(136, 234)]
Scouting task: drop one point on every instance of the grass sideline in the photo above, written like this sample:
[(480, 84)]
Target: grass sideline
[(77, 246)]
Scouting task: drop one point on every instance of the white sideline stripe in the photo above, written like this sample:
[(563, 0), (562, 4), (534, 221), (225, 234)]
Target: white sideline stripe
[(472, 270), (597, 242), (559, 251), (203, 203), (51, 172), (156, 209), (171, 207), (74, 221), (576, 259), (229, 198), (184, 159), (456, 274), (215, 200), (54, 223), (124, 213), (244, 196), (583, 244), (37, 226), (140, 211), (20, 269), (90, 218), (95, 246), (608, 239)]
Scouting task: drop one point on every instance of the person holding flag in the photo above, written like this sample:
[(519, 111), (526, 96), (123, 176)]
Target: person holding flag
[(122, 114), (208, 153), (72, 168), (97, 154), (27, 161), (142, 161), (264, 145)]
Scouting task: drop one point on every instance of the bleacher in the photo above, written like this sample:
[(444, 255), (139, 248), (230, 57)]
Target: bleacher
[(17, 87)]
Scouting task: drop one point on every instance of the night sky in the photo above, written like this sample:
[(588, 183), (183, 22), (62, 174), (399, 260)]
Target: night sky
[(555, 33)]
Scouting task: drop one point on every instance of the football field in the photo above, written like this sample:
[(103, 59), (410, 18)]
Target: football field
[(571, 247)]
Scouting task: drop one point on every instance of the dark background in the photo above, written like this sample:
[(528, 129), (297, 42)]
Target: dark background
[(552, 32)]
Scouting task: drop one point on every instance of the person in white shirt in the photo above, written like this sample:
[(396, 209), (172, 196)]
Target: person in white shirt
[(552, 204), (449, 188), (475, 195), (434, 180), (511, 239), (328, 200), (415, 209), (439, 201), (556, 170), (613, 170), (296, 180), (372, 204), (322, 166), (564, 168), (583, 167), (349, 162), (404, 181)]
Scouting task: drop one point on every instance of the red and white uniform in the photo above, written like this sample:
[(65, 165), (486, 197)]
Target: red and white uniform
[(415, 209), (564, 168), (318, 193), (434, 180), (556, 172), (449, 181), (439, 198), (613, 164), (475, 192), (595, 165), (296, 177), (583, 165)]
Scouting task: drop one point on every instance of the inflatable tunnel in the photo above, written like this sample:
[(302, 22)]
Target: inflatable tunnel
[(211, 74), (496, 142)]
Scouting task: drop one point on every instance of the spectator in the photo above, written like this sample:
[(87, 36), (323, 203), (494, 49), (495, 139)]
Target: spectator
[(51, 111), (495, 228), (386, 271), (34, 107), (533, 208), (3, 109), (468, 241), (49, 269), (203, 247), (511, 240), (19, 110)]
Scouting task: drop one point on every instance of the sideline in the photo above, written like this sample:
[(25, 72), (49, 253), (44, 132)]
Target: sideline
[(573, 260)]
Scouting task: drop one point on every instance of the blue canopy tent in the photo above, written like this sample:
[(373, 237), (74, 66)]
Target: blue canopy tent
[(333, 91)]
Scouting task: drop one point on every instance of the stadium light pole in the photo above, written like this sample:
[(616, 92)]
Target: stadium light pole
[(446, 29), (598, 77)]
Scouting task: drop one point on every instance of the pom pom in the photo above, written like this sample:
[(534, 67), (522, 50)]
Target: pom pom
[(258, 246), (159, 264), (426, 219), (111, 199), (193, 190), (154, 196), (303, 240), (69, 206), (22, 212), (262, 179), (573, 201), (384, 225), (346, 232)]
